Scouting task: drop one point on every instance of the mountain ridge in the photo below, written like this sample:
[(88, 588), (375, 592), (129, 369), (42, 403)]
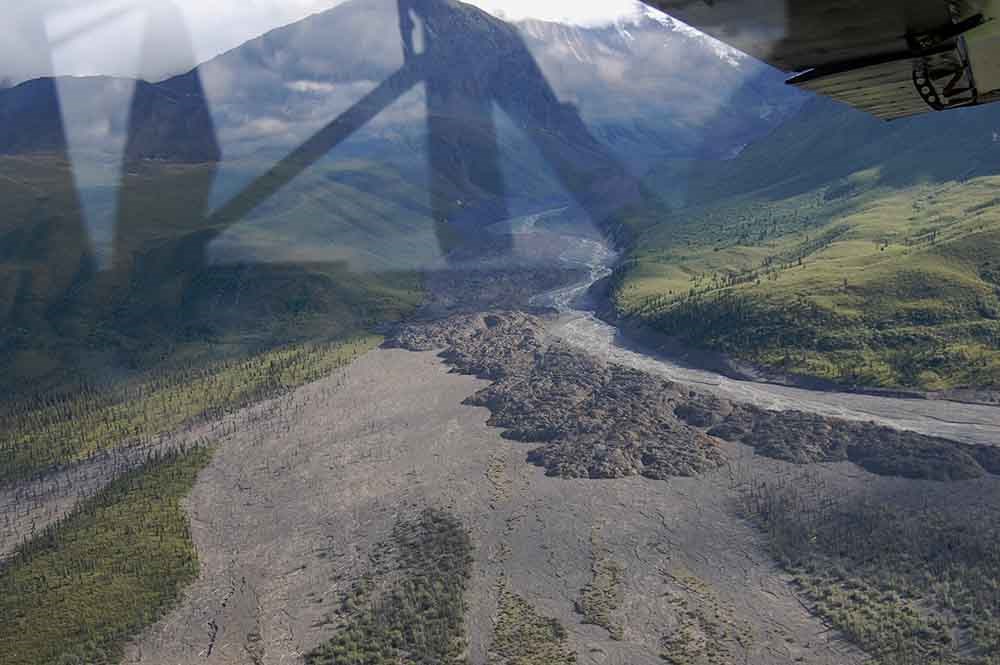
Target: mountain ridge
[(288, 72)]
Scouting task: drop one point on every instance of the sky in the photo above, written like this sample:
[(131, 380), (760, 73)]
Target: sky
[(88, 37)]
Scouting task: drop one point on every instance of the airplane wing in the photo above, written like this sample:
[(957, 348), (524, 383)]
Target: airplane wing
[(891, 58)]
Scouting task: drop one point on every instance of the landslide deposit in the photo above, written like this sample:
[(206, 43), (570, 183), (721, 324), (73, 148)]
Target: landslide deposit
[(596, 419)]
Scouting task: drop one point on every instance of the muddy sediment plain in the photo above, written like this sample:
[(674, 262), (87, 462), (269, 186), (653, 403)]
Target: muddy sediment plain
[(286, 516)]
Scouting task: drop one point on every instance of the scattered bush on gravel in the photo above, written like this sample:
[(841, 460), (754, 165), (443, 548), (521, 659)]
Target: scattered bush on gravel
[(40, 434), (908, 584), (523, 637), (599, 599)]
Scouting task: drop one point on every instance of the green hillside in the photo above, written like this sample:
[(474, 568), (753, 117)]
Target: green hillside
[(884, 275), (44, 433)]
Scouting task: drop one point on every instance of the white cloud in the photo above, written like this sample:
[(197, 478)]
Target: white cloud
[(311, 87), (259, 128)]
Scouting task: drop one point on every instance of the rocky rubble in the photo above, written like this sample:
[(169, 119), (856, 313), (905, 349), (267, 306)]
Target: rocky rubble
[(801, 437), (601, 420), (596, 420)]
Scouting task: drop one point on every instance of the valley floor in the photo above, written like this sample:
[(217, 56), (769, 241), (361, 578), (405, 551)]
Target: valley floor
[(289, 512), (299, 505)]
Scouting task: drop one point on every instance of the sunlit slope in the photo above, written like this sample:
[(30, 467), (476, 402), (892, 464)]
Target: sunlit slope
[(884, 276), (83, 587)]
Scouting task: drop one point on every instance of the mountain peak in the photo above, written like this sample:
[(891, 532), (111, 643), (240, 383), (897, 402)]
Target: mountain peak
[(726, 53)]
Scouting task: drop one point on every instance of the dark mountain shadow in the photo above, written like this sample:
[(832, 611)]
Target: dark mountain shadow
[(462, 86), (44, 245), (162, 291)]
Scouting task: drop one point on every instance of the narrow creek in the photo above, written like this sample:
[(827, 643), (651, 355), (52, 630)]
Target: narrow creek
[(968, 423)]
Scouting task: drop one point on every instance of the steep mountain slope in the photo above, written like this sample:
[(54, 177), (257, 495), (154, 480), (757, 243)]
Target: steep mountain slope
[(827, 141), (837, 247), (166, 121), (112, 183), (687, 95)]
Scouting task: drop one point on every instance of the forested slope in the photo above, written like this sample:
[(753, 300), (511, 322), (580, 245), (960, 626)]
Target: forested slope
[(838, 247)]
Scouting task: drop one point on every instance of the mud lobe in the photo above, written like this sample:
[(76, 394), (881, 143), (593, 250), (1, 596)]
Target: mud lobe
[(596, 419)]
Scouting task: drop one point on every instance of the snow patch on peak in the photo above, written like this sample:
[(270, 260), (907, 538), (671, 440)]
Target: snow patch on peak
[(726, 53), (623, 31)]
